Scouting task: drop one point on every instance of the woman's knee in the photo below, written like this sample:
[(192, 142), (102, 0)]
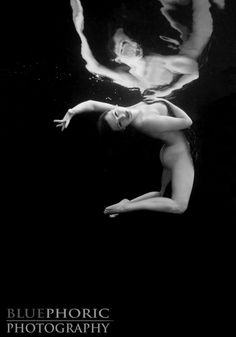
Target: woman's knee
[(180, 206)]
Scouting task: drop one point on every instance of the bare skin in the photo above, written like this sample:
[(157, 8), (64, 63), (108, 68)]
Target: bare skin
[(154, 75), (154, 121), (145, 72)]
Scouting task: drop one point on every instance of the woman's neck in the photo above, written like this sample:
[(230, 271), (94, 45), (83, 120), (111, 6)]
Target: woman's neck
[(137, 114)]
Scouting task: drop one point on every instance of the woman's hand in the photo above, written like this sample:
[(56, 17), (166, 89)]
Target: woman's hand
[(151, 96), (116, 209), (63, 123)]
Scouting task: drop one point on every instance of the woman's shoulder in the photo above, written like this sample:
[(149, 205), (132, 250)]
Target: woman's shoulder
[(160, 107)]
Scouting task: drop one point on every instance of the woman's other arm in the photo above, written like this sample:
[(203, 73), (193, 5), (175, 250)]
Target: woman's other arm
[(178, 112), (155, 123)]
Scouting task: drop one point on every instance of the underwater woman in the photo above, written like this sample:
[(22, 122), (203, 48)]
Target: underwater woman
[(161, 120)]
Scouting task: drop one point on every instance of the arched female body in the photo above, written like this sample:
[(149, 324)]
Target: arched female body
[(161, 120)]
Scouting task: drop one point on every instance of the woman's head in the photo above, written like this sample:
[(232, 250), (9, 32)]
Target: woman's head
[(126, 50), (116, 119), (116, 144)]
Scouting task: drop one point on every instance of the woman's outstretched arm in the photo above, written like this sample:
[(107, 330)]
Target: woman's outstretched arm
[(84, 107), (91, 106)]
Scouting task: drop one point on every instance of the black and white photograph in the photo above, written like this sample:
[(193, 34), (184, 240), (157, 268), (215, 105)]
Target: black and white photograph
[(118, 164)]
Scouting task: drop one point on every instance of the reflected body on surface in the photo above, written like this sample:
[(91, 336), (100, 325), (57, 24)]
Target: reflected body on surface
[(155, 75)]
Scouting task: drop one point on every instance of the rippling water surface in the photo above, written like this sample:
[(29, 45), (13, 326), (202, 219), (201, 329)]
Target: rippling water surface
[(156, 72)]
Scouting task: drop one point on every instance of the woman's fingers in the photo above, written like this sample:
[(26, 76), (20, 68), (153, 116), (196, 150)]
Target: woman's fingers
[(113, 215), (61, 125), (108, 211)]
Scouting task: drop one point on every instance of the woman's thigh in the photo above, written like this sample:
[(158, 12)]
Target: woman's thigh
[(182, 180)]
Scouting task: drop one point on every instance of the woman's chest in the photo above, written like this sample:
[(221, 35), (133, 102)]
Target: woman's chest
[(154, 110), (152, 72), (155, 72)]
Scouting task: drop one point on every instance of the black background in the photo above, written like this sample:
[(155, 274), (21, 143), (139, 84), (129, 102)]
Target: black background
[(58, 247)]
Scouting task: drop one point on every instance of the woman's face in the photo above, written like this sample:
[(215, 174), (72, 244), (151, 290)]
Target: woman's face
[(126, 49), (118, 118), (129, 50), (129, 53)]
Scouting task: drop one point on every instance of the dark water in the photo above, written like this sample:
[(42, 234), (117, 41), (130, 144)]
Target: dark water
[(59, 248)]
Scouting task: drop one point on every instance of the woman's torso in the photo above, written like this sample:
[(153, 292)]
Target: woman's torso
[(151, 72), (175, 145)]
